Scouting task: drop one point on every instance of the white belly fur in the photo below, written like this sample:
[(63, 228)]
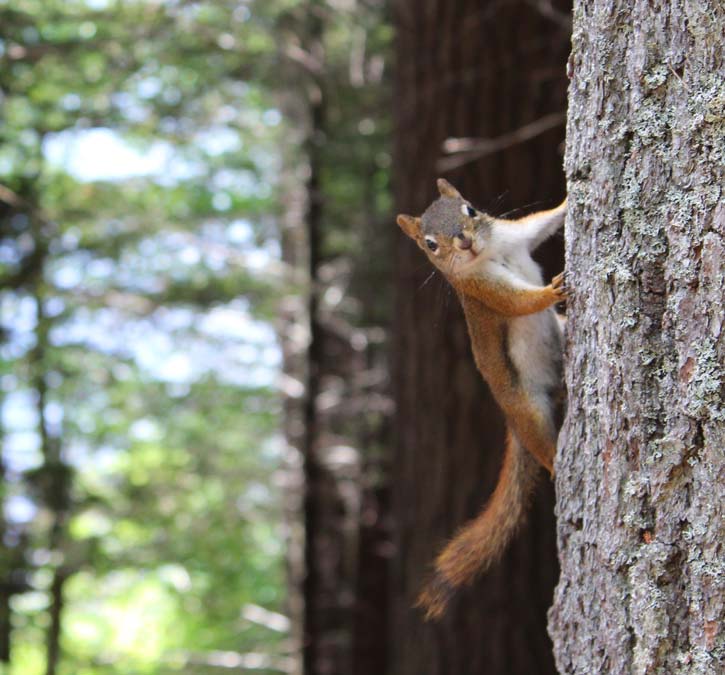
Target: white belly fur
[(534, 343), (535, 340)]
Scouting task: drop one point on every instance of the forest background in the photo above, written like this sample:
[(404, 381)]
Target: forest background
[(209, 320)]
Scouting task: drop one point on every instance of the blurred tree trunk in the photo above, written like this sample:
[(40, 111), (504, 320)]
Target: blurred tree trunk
[(53, 652), (336, 421), (477, 70), (322, 647), (51, 481), (641, 471), (5, 564)]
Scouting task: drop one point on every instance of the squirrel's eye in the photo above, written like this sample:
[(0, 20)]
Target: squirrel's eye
[(431, 243), (468, 211)]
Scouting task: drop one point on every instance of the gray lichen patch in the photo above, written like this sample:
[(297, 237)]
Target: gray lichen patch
[(650, 123), (706, 384), (656, 77)]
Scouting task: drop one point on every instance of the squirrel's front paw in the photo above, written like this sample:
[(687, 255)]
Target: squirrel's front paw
[(559, 286)]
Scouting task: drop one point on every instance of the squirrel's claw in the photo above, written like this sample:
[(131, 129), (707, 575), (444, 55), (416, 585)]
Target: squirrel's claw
[(559, 286)]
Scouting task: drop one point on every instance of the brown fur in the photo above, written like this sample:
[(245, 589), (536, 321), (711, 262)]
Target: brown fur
[(509, 301), (533, 429), (482, 541), (489, 304)]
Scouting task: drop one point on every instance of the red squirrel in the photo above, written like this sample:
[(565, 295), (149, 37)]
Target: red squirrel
[(516, 339)]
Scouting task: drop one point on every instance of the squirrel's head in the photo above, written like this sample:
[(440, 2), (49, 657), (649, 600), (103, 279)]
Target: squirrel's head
[(451, 231)]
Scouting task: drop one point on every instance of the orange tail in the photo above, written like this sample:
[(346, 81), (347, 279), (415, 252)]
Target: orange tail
[(480, 542)]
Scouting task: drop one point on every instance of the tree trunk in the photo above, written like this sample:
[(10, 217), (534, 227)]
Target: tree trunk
[(336, 421), (54, 629), (53, 478), (322, 652), (467, 69), (641, 470)]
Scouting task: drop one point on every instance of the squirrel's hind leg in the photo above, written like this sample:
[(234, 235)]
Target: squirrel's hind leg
[(534, 428)]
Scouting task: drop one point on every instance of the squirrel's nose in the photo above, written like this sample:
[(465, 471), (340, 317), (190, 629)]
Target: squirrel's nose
[(463, 241)]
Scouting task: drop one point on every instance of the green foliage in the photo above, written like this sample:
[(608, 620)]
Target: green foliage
[(141, 151), (140, 422)]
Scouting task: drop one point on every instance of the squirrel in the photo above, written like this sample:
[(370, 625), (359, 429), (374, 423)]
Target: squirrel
[(516, 338)]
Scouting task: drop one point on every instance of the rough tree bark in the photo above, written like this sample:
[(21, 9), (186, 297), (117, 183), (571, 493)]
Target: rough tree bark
[(476, 70), (641, 469)]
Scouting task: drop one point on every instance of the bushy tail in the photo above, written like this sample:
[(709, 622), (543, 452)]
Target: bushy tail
[(481, 542)]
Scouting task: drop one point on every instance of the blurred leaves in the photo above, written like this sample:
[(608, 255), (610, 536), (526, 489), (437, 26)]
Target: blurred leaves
[(141, 188), (137, 253)]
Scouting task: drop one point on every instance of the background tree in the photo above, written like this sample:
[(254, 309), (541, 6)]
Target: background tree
[(641, 468), (472, 78), (335, 235)]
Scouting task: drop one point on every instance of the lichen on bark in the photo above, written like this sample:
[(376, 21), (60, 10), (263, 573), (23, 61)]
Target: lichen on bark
[(641, 464)]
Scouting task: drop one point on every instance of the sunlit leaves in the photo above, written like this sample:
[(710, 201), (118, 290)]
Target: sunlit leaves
[(145, 144), (149, 277)]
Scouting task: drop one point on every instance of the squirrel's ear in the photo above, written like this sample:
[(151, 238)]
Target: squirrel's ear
[(410, 225), (447, 190)]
